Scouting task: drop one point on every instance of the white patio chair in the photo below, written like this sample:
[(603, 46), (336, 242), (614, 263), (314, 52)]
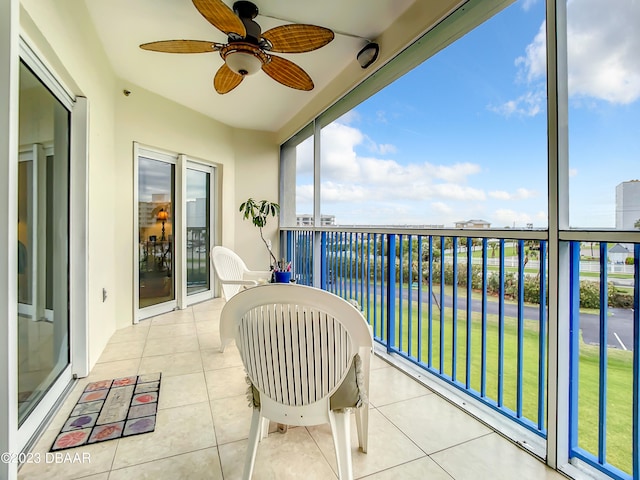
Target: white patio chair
[(307, 354), (232, 272)]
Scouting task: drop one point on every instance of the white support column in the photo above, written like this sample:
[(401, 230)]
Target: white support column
[(316, 204), (9, 87), (79, 238), (558, 174)]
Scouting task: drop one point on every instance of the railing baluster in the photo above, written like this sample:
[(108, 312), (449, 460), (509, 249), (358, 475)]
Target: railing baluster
[(409, 294), (454, 309), (574, 355), (323, 260), (430, 309), (399, 292), (542, 334), (391, 290), (483, 347), (602, 384), (501, 293), (375, 282), (442, 311), (350, 264), (419, 354), (383, 296), (636, 362), (520, 363), (467, 380)]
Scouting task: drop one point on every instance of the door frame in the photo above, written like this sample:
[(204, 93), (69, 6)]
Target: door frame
[(173, 159), (188, 163), (181, 163), (77, 273)]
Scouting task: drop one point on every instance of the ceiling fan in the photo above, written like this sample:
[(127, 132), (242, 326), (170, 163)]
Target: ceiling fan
[(248, 49)]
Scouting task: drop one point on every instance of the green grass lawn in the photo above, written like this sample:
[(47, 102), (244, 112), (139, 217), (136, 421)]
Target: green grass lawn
[(619, 371)]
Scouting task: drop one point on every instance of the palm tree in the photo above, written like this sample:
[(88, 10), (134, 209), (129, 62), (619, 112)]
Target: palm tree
[(637, 224)]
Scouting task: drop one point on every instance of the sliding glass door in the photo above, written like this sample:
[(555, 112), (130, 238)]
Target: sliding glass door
[(156, 285), (174, 234), (43, 243), (198, 231)]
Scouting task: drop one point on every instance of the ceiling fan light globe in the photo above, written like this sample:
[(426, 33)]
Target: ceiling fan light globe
[(243, 63)]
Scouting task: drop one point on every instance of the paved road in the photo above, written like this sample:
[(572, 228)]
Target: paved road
[(619, 322)]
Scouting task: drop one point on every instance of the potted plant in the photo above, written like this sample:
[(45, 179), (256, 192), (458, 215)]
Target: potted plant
[(258, 212)]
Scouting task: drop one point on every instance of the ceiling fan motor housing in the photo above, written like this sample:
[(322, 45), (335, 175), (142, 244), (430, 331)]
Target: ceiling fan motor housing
[(247, 11)]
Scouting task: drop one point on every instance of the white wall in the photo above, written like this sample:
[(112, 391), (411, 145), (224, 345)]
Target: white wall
[(247, 161), (62, 35), (256, 177), (153, 121)]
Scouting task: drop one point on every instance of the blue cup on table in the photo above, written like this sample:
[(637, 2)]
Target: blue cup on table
[(283, 277)]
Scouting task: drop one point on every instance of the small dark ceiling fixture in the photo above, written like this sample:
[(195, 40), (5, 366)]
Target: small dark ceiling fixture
[(368, 54)]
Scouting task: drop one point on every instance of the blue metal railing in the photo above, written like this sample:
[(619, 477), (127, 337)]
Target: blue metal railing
[(604, 375), (473, 312), (458, 311)]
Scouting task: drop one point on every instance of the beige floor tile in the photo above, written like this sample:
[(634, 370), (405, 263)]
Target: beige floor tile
[(173, 318), (178, 430), (122, 351), (493, 457), (421, 469), (99, 476), (377, 362), (226, 382), (206, 316), (231, 418), (388, 446), (172, 364), (433, 423), (115, 369), (132, 333), (207, 327), (213, 359), (290, 456), (389, 385), (165, 346), (214, 304), (209, 341), (171, 331), (199, 465), (91, 460), (180, 390)]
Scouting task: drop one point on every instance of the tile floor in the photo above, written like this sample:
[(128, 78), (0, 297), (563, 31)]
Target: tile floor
[(203, 421)]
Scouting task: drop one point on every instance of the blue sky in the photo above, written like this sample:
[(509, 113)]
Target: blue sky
[(463, 135)]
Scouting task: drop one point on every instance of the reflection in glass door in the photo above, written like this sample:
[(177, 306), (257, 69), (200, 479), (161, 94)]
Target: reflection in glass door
[(198, 222), (43, 242), (155, 232)]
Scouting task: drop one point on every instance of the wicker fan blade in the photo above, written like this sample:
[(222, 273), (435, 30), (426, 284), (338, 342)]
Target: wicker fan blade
[(297, 38), (181, 46), (288, 73), (226, 79), (220, 16)]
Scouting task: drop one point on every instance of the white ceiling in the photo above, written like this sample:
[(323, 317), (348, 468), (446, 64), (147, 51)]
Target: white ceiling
[(258, 102)]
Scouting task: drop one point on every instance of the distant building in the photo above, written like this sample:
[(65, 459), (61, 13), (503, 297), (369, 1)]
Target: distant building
[(306, 220), (627, 204), (473, 224)]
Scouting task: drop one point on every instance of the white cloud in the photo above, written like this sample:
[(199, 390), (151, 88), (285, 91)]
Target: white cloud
[(529, 104), (505, 217), (527, 4), (573, 172), (519, 194), (603, 41), (372, 190)]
